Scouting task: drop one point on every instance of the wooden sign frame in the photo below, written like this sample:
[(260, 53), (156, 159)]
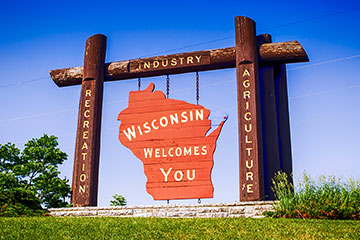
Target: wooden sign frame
[(263, 115)]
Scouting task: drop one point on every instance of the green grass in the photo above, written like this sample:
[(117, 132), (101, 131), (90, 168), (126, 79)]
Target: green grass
[(159, 228)]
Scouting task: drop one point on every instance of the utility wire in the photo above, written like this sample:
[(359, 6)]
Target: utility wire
[(325, 62), (38, 115), (183, 90), (262, 29), (216, 40), (23, 82), (325, 92), (188, 46), (313, 18), (214, 84)]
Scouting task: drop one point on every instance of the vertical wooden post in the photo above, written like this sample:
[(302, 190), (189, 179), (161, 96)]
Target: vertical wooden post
[(249, 112), (87, 149), (271, 159), (282, 110)]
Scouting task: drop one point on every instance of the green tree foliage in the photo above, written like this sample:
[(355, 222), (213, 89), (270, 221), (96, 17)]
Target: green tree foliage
[(30, 178), (15, 200), (118, 200)]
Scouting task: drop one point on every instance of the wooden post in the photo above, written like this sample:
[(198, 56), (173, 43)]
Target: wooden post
[(282, 111), (87, 149), (271, 159), (249, 112)]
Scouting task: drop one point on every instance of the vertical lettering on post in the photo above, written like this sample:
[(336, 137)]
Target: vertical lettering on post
[(87, 149), (249, 112)]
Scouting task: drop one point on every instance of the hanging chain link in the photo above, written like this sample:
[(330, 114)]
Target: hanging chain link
[(167, 86), (139, 83), (197, 88)]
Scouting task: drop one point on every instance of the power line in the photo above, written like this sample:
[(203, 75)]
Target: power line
[(23, 82), (188, 46), (217, 40), (314, 18), (289, 69), (262, 29), (325, 62), (38, 115), (325, 92), (213, 84), (181, 90)]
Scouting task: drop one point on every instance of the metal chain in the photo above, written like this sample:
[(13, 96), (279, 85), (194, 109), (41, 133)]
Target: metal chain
[(197, 88), (139, 83), (167, 86)]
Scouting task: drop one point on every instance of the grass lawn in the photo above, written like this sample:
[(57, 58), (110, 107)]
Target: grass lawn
[(161, 228)]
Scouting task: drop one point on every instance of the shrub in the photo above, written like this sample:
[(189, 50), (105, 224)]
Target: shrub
[(328, 198), (119, 200)]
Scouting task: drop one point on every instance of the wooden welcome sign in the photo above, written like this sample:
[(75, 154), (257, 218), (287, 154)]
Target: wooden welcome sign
[(169, 137)]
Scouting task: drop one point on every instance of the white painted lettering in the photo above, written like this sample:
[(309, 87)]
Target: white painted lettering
[(170, 152), (184, 117), (87, 113), (249, 175), (249, 188), (147, 128), (188, 175), (187, 151), (246, 73), (130, 133), (247, 116), (246, 83), (178, 151), (164, 121), (165, 174), (174, 118), (200, 114), (249, 151), (153, 124), (148, 152), (157, 152), (203, 150), (177, 177), (198, 58)]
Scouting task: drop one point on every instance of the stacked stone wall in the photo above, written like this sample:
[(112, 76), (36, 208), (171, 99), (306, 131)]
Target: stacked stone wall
[(238, 209)]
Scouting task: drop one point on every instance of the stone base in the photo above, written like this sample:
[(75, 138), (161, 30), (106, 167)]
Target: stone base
[(239, 209)]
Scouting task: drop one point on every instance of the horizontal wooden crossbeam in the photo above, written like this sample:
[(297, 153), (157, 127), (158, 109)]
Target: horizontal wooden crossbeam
[(284, 52)]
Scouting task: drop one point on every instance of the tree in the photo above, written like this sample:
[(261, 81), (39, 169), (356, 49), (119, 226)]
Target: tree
[(119, 200), (33, 173), (15, 200)]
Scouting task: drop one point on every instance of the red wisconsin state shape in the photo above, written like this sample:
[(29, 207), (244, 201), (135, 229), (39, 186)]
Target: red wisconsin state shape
[(169, 137)]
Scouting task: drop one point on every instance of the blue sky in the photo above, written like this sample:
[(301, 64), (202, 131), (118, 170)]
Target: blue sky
[(39, 36)]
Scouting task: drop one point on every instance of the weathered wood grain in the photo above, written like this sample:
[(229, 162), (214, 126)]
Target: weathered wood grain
[(87, 148), (284, 52), (249, 112)]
